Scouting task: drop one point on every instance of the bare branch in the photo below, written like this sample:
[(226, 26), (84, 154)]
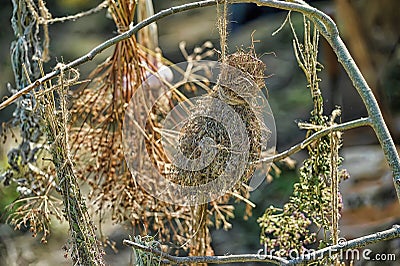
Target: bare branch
[(330, 26), (94, 10), (363, 241), (325, 23), (374, 112), (317, 135), (307, 257), (209, 259), (329, 30)]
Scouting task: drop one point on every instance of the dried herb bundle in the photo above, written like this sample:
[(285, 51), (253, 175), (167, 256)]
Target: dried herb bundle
[(97, 112), (205, 136)]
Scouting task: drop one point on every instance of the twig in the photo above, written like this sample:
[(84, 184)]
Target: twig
[(94, 10), (298, 147), (307, 257), (209, 259), (363, 241)]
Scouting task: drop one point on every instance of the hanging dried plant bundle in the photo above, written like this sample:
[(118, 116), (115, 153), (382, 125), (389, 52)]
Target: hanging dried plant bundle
[(250, 63), (97, 115), (206, 137), (230, 90), (316, 197), (84, 247)]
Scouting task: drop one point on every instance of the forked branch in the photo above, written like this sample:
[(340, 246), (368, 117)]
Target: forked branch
[(317, 135)]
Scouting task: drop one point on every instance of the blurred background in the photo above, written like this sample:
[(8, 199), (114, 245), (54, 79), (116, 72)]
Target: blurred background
[(370, 31)]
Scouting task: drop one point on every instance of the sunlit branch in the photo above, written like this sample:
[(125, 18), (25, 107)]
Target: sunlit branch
[(317, 135)]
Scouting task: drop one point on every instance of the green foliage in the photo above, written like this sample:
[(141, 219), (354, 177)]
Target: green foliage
[(289, 228), (7, 195)]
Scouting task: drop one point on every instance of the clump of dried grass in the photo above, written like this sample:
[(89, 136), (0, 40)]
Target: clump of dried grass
[(233, 89)]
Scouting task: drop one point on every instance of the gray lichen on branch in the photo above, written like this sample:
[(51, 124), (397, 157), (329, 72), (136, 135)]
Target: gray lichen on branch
[(85, 248)]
